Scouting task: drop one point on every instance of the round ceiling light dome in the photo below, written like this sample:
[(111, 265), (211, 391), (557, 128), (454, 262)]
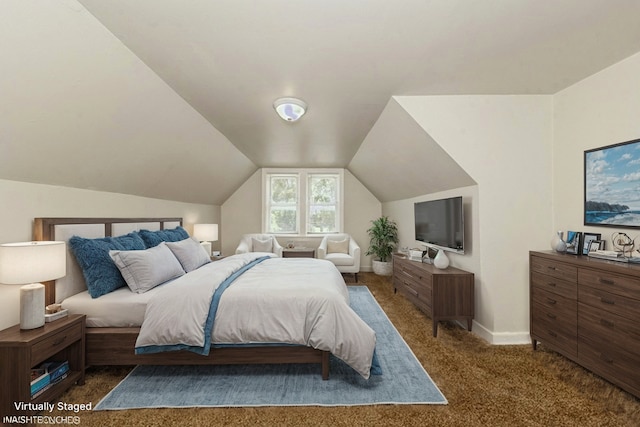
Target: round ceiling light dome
[(290, 109)]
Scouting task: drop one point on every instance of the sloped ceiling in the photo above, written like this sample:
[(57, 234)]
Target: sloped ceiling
[(162, 98), (413, 163)]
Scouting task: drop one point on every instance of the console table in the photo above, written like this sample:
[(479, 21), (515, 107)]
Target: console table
[(587, 309), (298, 253), (442, 294)]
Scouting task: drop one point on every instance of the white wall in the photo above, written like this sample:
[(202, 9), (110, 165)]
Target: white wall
[(504, 144), (242, 213), (24, 201), (601, 110)]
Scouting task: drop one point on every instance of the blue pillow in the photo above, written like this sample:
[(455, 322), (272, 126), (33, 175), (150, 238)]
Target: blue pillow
[(154, 238), (100, 272)]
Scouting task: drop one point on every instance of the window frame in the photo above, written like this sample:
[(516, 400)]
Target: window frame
[(303, 204)]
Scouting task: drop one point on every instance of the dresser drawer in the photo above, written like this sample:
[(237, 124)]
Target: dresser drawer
[(555, 269), (555, 328), (552, 284), (54, 343), (418, 282), (608, 302), (408, 269), (611, 362), (553, 301), (608, 329), (416, 290), (625, 286)]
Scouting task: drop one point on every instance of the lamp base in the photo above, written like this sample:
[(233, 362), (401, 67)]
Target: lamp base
[(207, 247), (32, 306)]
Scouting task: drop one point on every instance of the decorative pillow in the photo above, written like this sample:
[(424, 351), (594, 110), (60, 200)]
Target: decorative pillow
[(338, 246), (153, 238), (146, 269), (100, 273), (190, 253), (262, 245)]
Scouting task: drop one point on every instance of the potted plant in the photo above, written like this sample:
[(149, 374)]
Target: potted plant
[(383, 236)]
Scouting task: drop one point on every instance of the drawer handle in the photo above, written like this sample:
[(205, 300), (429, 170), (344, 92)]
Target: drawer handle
[(551, 301), (606, 358), (606, 281), (607, 301), (607, 323), (411, 291), (553, 334), (552, 268), (552, 284), (551, 316), (59, 341)]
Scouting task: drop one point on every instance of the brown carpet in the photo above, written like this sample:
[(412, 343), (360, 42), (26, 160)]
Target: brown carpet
[(485, 386)]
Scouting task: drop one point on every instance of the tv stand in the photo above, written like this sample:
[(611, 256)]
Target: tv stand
[(446, 294)]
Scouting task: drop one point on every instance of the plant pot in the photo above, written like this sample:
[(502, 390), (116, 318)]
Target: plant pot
[(382, 268)]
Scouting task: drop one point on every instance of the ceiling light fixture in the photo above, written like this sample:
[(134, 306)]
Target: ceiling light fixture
[(290, 109)]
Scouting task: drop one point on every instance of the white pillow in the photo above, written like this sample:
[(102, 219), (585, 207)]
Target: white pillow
[(338, 246), (190, 253), (145, 269), (262, 245)]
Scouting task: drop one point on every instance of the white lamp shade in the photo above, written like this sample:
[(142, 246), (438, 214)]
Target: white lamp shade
[(206, 232), (32, 262)]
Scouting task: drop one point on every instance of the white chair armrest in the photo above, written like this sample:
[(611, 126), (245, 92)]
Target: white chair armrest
[(277, 247), (354, 249), (322, 249)]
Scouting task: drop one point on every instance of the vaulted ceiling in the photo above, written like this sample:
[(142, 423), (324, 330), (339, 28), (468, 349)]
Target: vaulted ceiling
[(173, 99)]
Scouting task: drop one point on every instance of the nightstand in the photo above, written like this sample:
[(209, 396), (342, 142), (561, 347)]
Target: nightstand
[(22, 350)]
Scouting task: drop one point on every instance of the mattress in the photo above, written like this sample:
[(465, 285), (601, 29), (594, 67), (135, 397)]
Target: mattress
[(118, 309)]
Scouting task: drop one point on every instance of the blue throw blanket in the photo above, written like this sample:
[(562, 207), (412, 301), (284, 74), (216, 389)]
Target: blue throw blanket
[(213, 309)]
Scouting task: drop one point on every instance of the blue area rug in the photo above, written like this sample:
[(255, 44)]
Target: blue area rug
[(403, 379)]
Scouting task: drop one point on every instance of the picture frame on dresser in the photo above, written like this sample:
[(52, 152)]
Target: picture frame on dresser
[(587, 239), (596, 245), (574, 242)]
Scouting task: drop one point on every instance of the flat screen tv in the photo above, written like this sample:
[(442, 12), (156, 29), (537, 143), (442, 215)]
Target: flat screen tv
[(440, 223)]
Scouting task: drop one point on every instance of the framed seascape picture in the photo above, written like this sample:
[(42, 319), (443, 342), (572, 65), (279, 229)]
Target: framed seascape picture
[(574, 242), (611, 179), (588, 238)]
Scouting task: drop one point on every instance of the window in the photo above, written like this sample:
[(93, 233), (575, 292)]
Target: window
[(302, 202)]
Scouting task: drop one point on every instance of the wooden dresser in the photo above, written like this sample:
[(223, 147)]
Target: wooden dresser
[(588, 310), (442, 294)]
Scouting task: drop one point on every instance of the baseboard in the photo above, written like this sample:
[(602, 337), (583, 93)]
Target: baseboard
[(501, 338)]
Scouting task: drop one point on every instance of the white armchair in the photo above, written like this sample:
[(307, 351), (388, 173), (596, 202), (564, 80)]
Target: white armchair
[(259, 243), (343, 251)]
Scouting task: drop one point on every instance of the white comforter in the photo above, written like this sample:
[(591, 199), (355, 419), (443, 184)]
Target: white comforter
[(294, 300)]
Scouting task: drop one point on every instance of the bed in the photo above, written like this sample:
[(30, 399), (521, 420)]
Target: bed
[(109, 343)]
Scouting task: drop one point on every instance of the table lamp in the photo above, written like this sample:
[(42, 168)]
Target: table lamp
[(27, 263), (206, 233)]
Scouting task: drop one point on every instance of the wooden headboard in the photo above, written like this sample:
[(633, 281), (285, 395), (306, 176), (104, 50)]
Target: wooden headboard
[(64, 228)]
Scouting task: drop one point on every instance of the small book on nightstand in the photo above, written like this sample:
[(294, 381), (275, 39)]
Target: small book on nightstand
[(55, 316), (39, 380)]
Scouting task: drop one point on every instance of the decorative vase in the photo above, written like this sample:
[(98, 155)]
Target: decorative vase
[(557, 243), (441, 260)]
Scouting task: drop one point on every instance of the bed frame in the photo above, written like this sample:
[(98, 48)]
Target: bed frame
[(115, 346)]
